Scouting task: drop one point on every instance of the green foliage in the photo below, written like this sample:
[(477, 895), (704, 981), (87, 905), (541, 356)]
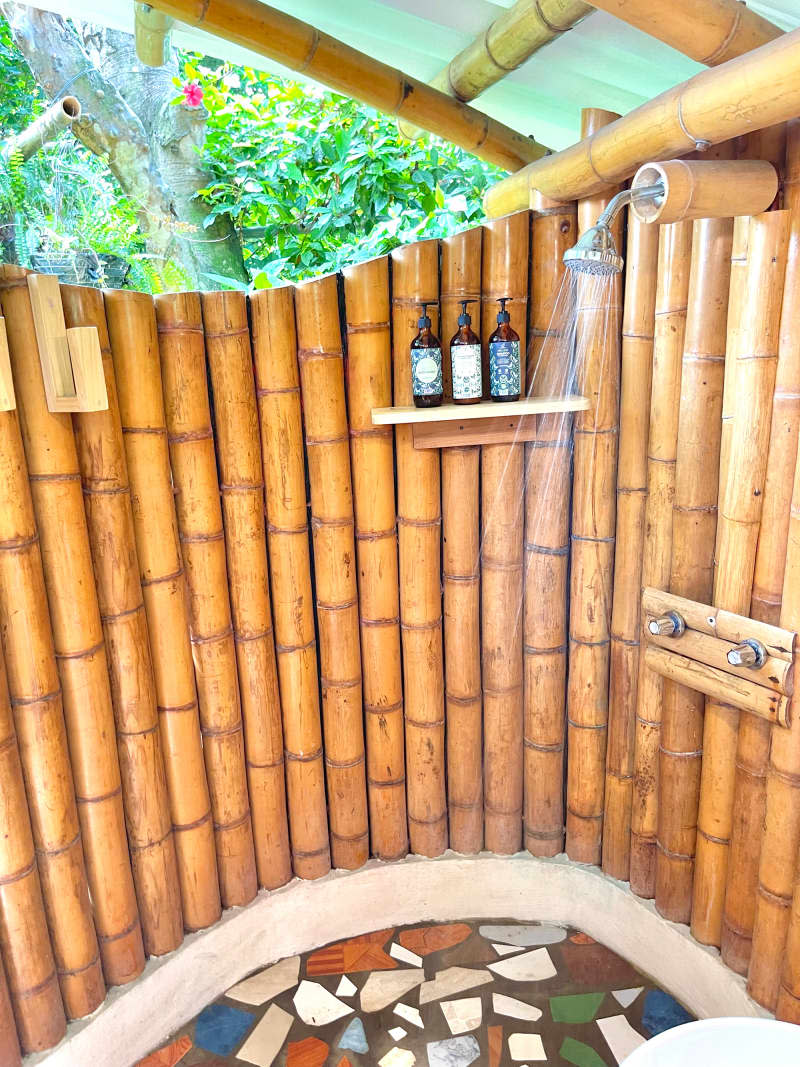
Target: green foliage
[(314, 180)]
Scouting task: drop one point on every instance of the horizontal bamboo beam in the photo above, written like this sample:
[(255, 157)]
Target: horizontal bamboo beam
[(775, 674), (705, 189), (511, 39), (308, 51), (709, 31), (42, 130), (756, 90)]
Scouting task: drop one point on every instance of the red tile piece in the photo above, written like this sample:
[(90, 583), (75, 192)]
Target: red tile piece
[(363, 953), (169, 1055), (598, 966), (582, 939), (429, 939), (308, 1053), (495, 1045)]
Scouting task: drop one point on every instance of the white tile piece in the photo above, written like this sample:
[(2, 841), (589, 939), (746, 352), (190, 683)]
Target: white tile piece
[(453, 980), (515, 1009), (397, 1033), (533, 966), (398, 1057), (384, 987), (526, 1047), (316, 1006), (346, 988), (405, 955), (626, 997), (621, 1037), (265, 1042), (266, 984), (506, 950), (411, 1015), (524, 936), (462, 1015), (453, 1052)]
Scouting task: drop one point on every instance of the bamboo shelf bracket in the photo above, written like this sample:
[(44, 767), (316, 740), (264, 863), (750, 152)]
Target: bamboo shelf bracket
[(72, 362), (706, 649)]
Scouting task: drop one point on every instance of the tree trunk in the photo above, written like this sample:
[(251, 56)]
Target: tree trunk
[(149, 144)]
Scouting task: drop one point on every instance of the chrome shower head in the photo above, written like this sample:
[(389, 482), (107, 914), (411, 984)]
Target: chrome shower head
[(595, 253)]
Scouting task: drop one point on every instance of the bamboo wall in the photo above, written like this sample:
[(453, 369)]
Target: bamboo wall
[(307, 642)]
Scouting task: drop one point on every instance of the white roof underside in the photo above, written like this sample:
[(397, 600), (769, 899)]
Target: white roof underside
[(601, 63)]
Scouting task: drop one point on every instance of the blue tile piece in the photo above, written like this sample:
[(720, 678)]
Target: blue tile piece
[(220, 1028), (354, 1037), (662, 1012)]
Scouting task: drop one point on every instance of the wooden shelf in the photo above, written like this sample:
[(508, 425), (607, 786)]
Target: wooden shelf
[(476, 424)]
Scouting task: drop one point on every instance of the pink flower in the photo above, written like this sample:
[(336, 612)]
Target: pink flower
[(193, 94)]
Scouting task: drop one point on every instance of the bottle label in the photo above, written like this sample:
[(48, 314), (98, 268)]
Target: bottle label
[(505, 369), (426, 371), (466, 371)]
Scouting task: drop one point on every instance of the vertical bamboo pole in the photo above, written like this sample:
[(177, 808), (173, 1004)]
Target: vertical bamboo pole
[(674, 261), (242, 487), (736, 304), (638, 329), (782, 812), (597, 342), (24, 937), (369, 385), (278, 390), (134, 349), (694, 522), (461, 280), (755, 351), (505, 273), (9, 1043), (98, 436), (547, 505), (79, 646), (41, 734), (319, 341), (194, 473), (415, 278)]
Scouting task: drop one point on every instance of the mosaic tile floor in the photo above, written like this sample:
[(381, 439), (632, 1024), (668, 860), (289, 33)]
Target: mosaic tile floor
[(491, 993)]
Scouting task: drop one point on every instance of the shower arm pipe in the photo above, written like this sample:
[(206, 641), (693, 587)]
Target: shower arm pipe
[(755, 90), (306, 50), (653, 193)]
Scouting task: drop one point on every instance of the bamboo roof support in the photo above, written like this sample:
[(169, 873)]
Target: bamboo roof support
[(758, 89), (308, 51), (511, 39)]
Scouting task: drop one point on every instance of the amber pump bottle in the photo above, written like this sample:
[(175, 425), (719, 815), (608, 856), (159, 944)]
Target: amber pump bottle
[(426, 363), (505, 367), (465, 360)]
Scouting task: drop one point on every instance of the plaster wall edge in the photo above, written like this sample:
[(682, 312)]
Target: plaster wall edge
[(304, 915)]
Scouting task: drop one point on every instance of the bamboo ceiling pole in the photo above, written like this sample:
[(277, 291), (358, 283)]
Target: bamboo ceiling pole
[(36, 701), (241, 474), (709, 31), (511, 39), (547, 497), (638, 327), (24, 937), (134, 349), (758, 89), (755, 351), (9, 1041), (194, 474), (674, 261), (415, 277), (101, 453), (300, 47), (461, 280), (782, 813), (597, 342), (319, 353), (504, 273), (369, 385), (79, 646), (694, 522), (278, 390)]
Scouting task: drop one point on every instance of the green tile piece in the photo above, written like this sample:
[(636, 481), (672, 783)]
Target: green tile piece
[(580, 1008), (581, 1055)]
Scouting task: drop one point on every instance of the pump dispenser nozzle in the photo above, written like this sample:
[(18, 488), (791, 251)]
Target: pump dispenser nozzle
[(502, 314), (465, 319), (425, 319)]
